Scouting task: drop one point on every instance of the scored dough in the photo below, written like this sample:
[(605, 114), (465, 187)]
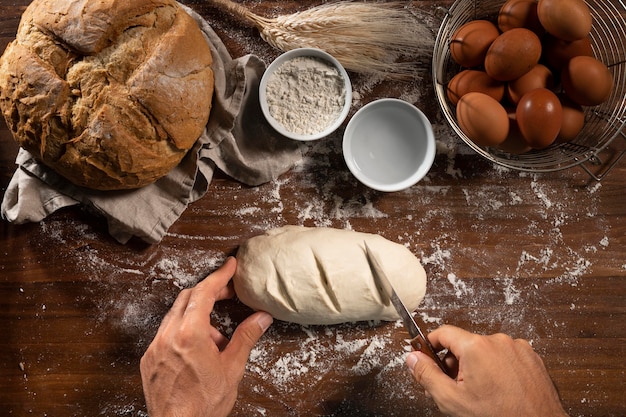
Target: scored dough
[(322, 275)]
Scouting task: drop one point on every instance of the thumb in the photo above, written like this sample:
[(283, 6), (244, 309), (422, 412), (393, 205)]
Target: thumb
[(246, 335), (427, 373)]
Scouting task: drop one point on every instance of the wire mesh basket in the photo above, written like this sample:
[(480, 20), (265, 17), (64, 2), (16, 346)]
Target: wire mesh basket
[(603, 123)]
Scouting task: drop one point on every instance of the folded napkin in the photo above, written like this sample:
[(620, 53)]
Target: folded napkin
[(237, 140)]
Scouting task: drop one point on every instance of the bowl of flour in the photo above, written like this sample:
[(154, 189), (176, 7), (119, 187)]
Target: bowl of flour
[(305, 94)]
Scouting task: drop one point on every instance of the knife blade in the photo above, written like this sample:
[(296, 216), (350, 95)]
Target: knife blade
[(419, 341)]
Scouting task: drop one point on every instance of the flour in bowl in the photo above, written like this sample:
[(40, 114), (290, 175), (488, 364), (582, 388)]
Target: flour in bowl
[(306, 95)]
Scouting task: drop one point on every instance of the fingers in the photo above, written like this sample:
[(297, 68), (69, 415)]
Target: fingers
[(194, 307), (216, 284), (213, 288), (246, 335), (218, 338), (196, 304), (452, 364), (451, 338), (207, 292), (177, 309), (428, 374)]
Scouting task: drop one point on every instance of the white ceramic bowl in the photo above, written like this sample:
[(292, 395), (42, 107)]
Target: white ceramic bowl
[(324, 130), (389, 145)]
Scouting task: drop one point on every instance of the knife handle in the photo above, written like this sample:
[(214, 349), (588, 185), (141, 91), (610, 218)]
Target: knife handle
[(424, 346)]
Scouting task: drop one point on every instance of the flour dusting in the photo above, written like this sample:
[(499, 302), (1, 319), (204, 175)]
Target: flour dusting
[(460, 288), (501, 289), (291, 358)]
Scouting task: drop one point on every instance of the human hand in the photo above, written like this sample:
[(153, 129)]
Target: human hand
[(190, 368), (497, 376)]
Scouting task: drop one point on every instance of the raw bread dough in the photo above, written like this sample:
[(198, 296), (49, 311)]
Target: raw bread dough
[(322, 275)]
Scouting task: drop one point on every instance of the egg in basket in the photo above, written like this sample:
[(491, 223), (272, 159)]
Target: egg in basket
[(533, 86)]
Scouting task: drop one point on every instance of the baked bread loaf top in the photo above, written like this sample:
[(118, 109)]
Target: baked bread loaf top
[(111, 94)]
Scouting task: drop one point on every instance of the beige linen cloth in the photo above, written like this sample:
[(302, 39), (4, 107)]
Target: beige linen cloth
[(237, 140)]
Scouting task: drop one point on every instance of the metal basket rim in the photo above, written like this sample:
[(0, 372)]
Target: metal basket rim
[(500, 157)]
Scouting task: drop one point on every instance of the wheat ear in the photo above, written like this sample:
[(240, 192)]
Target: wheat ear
[(382, 38)]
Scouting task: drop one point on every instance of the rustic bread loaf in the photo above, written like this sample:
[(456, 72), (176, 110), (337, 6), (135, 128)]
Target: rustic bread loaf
[(110, 94)]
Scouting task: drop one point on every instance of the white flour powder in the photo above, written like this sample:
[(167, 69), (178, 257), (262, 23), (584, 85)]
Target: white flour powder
[(306, 95)]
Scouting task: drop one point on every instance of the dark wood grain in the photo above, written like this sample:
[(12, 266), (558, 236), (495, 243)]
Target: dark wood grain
[(538, 256)]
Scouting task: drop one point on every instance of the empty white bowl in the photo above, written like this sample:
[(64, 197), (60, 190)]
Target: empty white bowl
[(389, 145), (294, 88)]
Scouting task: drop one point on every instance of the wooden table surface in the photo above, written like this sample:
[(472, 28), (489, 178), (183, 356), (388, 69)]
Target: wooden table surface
[(537, 256)]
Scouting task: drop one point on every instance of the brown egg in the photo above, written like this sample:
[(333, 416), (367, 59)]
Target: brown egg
[(520, 14), (482, 119), (514, 142), (566, 19), (538, 77), (468, 81), (573, 120), (470, 42), (587, 81), (538, 116), (557, 52), (512, 54)]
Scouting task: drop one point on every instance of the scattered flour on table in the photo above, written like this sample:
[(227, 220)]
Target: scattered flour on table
[(461, 289), (604, 242), (322, 352), (326, 353), (129, 278)]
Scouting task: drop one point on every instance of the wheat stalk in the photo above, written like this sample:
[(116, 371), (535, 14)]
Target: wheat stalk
[(379, 38)]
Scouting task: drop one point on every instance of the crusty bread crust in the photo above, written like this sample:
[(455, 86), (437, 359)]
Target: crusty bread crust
[(110, 94)]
